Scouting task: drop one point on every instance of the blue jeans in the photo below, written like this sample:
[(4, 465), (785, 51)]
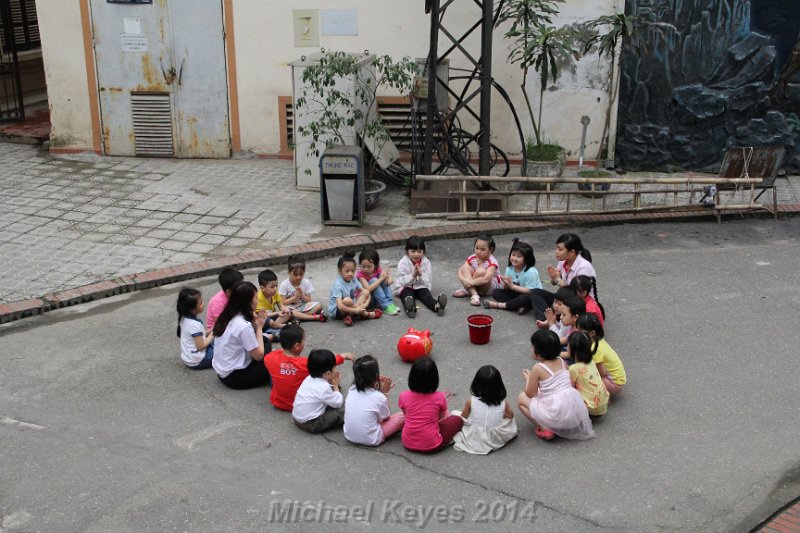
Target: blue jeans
[(382, 296), (206, 362)]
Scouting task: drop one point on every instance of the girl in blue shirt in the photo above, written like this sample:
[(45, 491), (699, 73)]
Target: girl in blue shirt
[(521, 276)]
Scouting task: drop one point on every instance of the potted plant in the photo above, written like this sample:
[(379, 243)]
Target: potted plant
[(336, 106), (538, 45)]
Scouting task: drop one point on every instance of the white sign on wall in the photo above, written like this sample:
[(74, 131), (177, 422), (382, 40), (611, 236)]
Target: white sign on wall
[(339, 21), (133, 43)]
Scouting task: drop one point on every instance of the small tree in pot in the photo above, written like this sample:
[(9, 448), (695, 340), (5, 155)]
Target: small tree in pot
[(538, 45)]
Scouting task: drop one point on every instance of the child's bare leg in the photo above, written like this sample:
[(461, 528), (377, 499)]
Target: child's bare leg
[(279, 321), (464, 276), (523, 402), (482, 289), (363, 299), (308, 315)]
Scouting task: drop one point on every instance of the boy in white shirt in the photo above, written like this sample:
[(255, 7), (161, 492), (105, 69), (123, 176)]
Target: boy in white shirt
[(318, 405)]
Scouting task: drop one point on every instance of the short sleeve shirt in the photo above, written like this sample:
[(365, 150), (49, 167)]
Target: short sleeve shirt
[(475, 263), (528, 278), (421, 428), (231, 349), (270, 304), (605, 354), (363, 414), (287, 290), (191, 327), (341, 289)]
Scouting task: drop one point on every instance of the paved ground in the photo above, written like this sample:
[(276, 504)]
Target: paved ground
[(71, 221), (104, 430)]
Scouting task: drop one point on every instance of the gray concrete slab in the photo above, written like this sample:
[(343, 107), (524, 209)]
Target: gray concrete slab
[(103, 429)]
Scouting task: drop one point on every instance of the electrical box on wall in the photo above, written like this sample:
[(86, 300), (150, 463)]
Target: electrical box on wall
[(306, 164), (421, 84)]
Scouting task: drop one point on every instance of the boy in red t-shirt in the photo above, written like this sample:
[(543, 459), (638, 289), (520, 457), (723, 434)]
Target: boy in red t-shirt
[(288, 370)]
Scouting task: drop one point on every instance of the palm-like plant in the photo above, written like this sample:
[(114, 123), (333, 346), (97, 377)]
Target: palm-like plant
[(537, 45), (619, 27)]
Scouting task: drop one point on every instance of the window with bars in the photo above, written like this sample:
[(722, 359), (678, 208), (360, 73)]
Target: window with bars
[(23, 26)]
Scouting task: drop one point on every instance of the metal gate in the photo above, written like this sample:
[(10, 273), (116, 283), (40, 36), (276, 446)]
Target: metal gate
[(162, 79), (11, 107)]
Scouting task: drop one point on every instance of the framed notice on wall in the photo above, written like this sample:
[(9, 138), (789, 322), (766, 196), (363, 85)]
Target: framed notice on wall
[(129, 1)]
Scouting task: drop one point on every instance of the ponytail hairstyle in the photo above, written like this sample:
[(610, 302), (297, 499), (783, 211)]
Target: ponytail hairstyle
[(525, 250), (580, 347), (347, 257), (187, 302), (587, 284), (488, 239), (589, 323), (573, 243), (240, 302), (365, 373)]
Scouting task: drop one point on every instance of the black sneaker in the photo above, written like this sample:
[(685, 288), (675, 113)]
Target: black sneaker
[(410, 306), (441, 303)]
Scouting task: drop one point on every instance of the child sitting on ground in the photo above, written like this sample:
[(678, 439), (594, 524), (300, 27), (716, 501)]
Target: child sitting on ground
[(478, 275), (228, 277), (586, 288), (346, 299), (377, 281), (295, 291), (414, 277), (197, 345), (584, 375), (549, 400), (553, 314), (609, 365), (367, 419), (429, 427), (318, 403), (488, 419), (271, 301), (520, 279), (288, 368)]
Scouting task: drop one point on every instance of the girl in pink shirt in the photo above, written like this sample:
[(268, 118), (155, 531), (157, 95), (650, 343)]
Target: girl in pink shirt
[(429, 427), (479, 274), (585, 287)]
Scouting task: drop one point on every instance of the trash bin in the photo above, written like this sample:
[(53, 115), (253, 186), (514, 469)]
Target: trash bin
[(342, 186)]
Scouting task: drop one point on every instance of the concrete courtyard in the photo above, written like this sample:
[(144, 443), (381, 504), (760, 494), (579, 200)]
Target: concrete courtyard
[(103, 429)]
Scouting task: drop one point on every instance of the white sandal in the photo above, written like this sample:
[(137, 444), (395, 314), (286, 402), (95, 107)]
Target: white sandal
[(475, 300)]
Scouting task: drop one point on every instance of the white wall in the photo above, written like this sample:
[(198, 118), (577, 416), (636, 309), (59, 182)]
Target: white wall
[(65, 72), (264, 46)]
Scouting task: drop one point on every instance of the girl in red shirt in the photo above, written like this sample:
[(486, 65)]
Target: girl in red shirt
[(585, 287)]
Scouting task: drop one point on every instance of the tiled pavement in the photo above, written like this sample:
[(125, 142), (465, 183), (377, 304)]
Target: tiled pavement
[(72, 221)]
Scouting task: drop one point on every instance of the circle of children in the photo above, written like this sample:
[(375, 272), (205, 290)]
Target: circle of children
[(575, 373)]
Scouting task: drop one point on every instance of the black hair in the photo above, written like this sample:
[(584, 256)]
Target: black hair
[(320, 361), (488, 385), (546, 344), (564, 293), (229, 277), (241, 301), (370, 255), (489, 240), (265, 276), (187, 301), (415, 242), (573, 243), (580, 347), (296, 262), (525, 250), (587, 284), (291, 334), (423, 376), (365, 373), (576, 305), (347, 257), (589, 323)]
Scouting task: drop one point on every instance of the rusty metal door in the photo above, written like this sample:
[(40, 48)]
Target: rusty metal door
[(161, 77)]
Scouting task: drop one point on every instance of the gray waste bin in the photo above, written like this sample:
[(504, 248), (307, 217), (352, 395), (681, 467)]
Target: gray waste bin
[(342, 186)]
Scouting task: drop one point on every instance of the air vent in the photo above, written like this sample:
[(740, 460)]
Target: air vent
[(152, 124)]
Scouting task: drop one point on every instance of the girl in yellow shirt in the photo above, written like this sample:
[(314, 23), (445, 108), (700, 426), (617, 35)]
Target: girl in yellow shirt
[(608, 362), (584, 375)]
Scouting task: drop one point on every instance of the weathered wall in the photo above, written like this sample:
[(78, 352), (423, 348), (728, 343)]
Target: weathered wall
[(711, 79), (264, 46), (65, 72)]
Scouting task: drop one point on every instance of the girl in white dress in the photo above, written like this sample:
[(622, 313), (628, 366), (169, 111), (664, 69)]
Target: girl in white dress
[(488, 419), (549, 400)]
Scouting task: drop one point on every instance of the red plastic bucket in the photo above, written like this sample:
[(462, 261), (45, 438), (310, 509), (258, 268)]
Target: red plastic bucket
[(480, 328)]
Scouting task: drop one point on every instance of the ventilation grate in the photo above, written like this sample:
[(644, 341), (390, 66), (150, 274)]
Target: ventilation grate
[(152, 124)]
